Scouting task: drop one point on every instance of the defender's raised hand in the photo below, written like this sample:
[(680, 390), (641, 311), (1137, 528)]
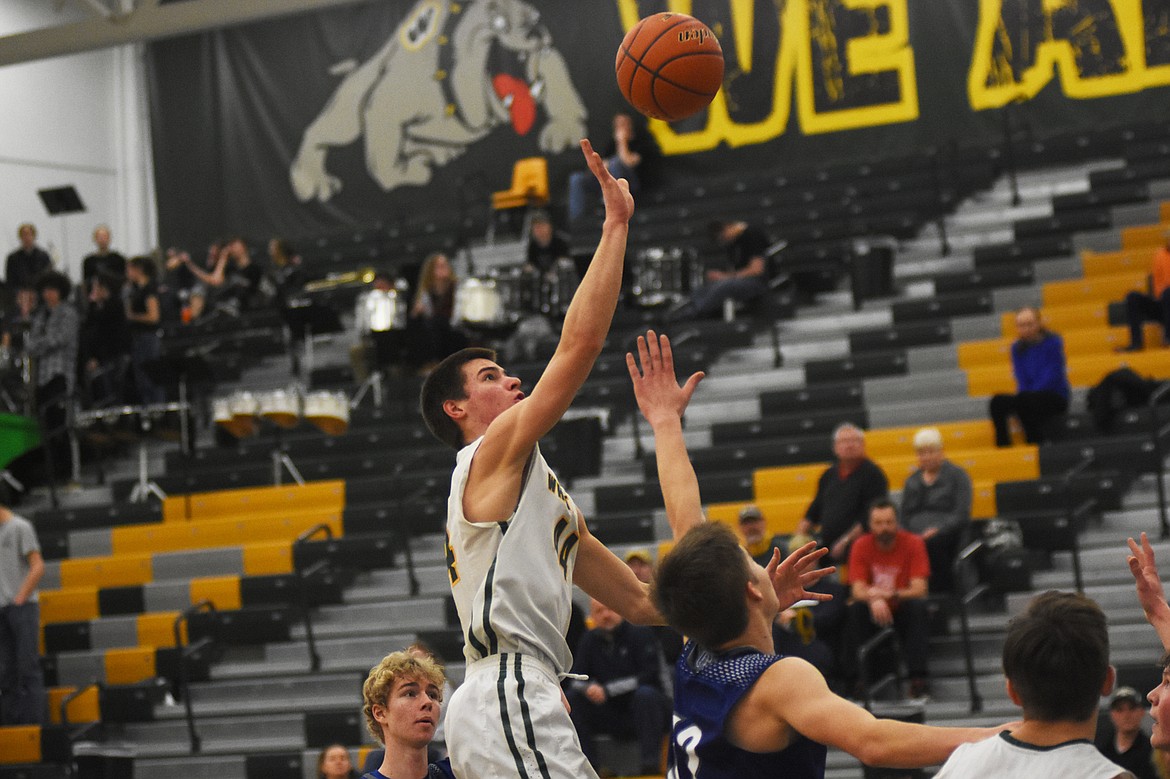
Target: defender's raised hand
[(659, 396), (799, 571), (1149, 587), (619, 203)]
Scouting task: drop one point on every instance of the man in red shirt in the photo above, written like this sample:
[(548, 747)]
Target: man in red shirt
[(1141, 308), (888, 572)]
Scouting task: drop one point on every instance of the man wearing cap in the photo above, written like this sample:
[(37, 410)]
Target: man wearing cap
[(670, 641), (753, 529), (1152, 304), (1126, 743)]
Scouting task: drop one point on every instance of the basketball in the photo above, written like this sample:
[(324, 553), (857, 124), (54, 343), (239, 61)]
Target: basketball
[(669, 66)]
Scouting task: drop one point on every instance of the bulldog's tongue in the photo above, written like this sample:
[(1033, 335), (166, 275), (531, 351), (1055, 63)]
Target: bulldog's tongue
[(516, 95)]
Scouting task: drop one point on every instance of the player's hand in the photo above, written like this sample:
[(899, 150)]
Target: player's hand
[(799, 571), (659, 396), (1147, 582), (619, 203)]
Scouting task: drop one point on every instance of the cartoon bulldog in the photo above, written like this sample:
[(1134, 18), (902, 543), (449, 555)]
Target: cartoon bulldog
[(449, 74)]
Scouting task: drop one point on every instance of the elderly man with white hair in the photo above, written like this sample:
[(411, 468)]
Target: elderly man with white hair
[(936, 504)]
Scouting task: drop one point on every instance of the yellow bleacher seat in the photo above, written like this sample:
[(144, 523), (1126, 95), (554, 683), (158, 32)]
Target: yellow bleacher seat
[(69, 604), (83, 708), (20, 744), (664, 548), (997, 351), (129, 665), (115, 571), (792, 479), (529, 185), (255, 501), (223, 591), (1092, 289), (1111, 263), (217, 532), (1076, 316), (983, 499), (1144, 235), (780, 514), (1084, 370), (971, 434), (267, 559), (157, 629), (1164, 212), (990, 380), (990, 464)]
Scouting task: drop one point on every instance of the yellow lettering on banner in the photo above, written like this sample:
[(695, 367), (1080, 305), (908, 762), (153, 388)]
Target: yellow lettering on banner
[(873, 53), (991, 82), (794, 73)]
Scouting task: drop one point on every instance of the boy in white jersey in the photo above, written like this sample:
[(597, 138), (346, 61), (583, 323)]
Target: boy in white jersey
[(516, 542), (1056, 662)]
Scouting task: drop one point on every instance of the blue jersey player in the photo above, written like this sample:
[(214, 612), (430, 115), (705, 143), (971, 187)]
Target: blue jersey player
[(740, 710)]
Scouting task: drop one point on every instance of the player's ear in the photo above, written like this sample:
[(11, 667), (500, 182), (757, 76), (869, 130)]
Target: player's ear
[(753, 592), (1110, 680), (379, 712), (453, 409), (1011, 691)]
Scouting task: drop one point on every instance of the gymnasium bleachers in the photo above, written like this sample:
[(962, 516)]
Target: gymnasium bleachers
[(120, 574)]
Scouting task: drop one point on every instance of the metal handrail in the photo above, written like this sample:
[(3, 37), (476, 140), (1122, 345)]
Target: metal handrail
[(184, 684), (73, 696), (303, 589), (1073, 512), (887, 634), (963, 601), (1157, 431)]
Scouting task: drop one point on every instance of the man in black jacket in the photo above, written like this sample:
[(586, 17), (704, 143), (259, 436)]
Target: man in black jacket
[(623, 695)]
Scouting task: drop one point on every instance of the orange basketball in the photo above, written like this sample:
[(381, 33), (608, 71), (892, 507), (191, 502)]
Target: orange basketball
[(669, 66)]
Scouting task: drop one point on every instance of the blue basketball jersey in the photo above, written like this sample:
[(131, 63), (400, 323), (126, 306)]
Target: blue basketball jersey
[(707, 687)]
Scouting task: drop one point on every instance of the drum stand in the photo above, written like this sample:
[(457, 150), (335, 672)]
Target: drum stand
[(145, 486), (281, 462), (375, 384)]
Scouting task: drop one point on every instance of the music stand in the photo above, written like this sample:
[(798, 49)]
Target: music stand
[(304, 322), (62, 201)]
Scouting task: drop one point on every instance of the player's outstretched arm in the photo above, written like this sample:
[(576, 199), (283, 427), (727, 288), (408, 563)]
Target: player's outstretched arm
[(799, 571), (798, 695), (662, 401), (583, 334), (1149, 587)]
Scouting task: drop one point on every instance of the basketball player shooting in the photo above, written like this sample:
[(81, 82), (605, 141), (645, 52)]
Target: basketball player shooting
[(516, 542)]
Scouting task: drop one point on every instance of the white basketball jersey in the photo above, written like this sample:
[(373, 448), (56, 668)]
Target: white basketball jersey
[(1004, 756), (512, 581)]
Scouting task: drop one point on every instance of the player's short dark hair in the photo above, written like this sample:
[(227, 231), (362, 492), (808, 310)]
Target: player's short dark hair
[(699, 586), (1056, 655), (446, 382)]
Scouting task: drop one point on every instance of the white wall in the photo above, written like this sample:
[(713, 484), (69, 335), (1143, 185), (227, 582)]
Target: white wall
[(77, 120)]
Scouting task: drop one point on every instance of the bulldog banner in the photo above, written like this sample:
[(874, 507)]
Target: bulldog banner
[(374, 111)]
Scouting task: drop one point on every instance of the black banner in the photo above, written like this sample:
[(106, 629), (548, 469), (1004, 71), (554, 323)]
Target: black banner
[(366, 113)]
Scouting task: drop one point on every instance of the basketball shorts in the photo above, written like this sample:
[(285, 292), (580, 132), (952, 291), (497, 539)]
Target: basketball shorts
[(507, 720)]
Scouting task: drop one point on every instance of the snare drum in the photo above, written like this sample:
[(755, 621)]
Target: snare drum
[(328, 411), (520, 289), (379, 311), (479, 302), (558, 287), (281, 407), (661, 276)]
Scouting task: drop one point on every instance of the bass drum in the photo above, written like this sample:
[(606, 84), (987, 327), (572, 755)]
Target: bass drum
[(663, 276), (479, 302), (328, 411), (380, 311)]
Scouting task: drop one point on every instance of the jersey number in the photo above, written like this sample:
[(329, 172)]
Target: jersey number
[(687, 740), (452, 569), (564, 545)]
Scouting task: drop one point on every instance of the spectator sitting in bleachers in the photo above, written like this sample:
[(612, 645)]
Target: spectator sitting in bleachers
[(104, 261), (623, 694), (177, 286), (1042, 388), (936, 504), (26, 263), (104, 348), (628, 156), (670, 641), (1141, 307), (545, 245), (333, 763), (18, 320), (285, 275), (1122, 740), (234, 282), (839, 512), (814, 633), (753, 529), (888, 574), (743, 278), (52, 343), (200, 288)]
